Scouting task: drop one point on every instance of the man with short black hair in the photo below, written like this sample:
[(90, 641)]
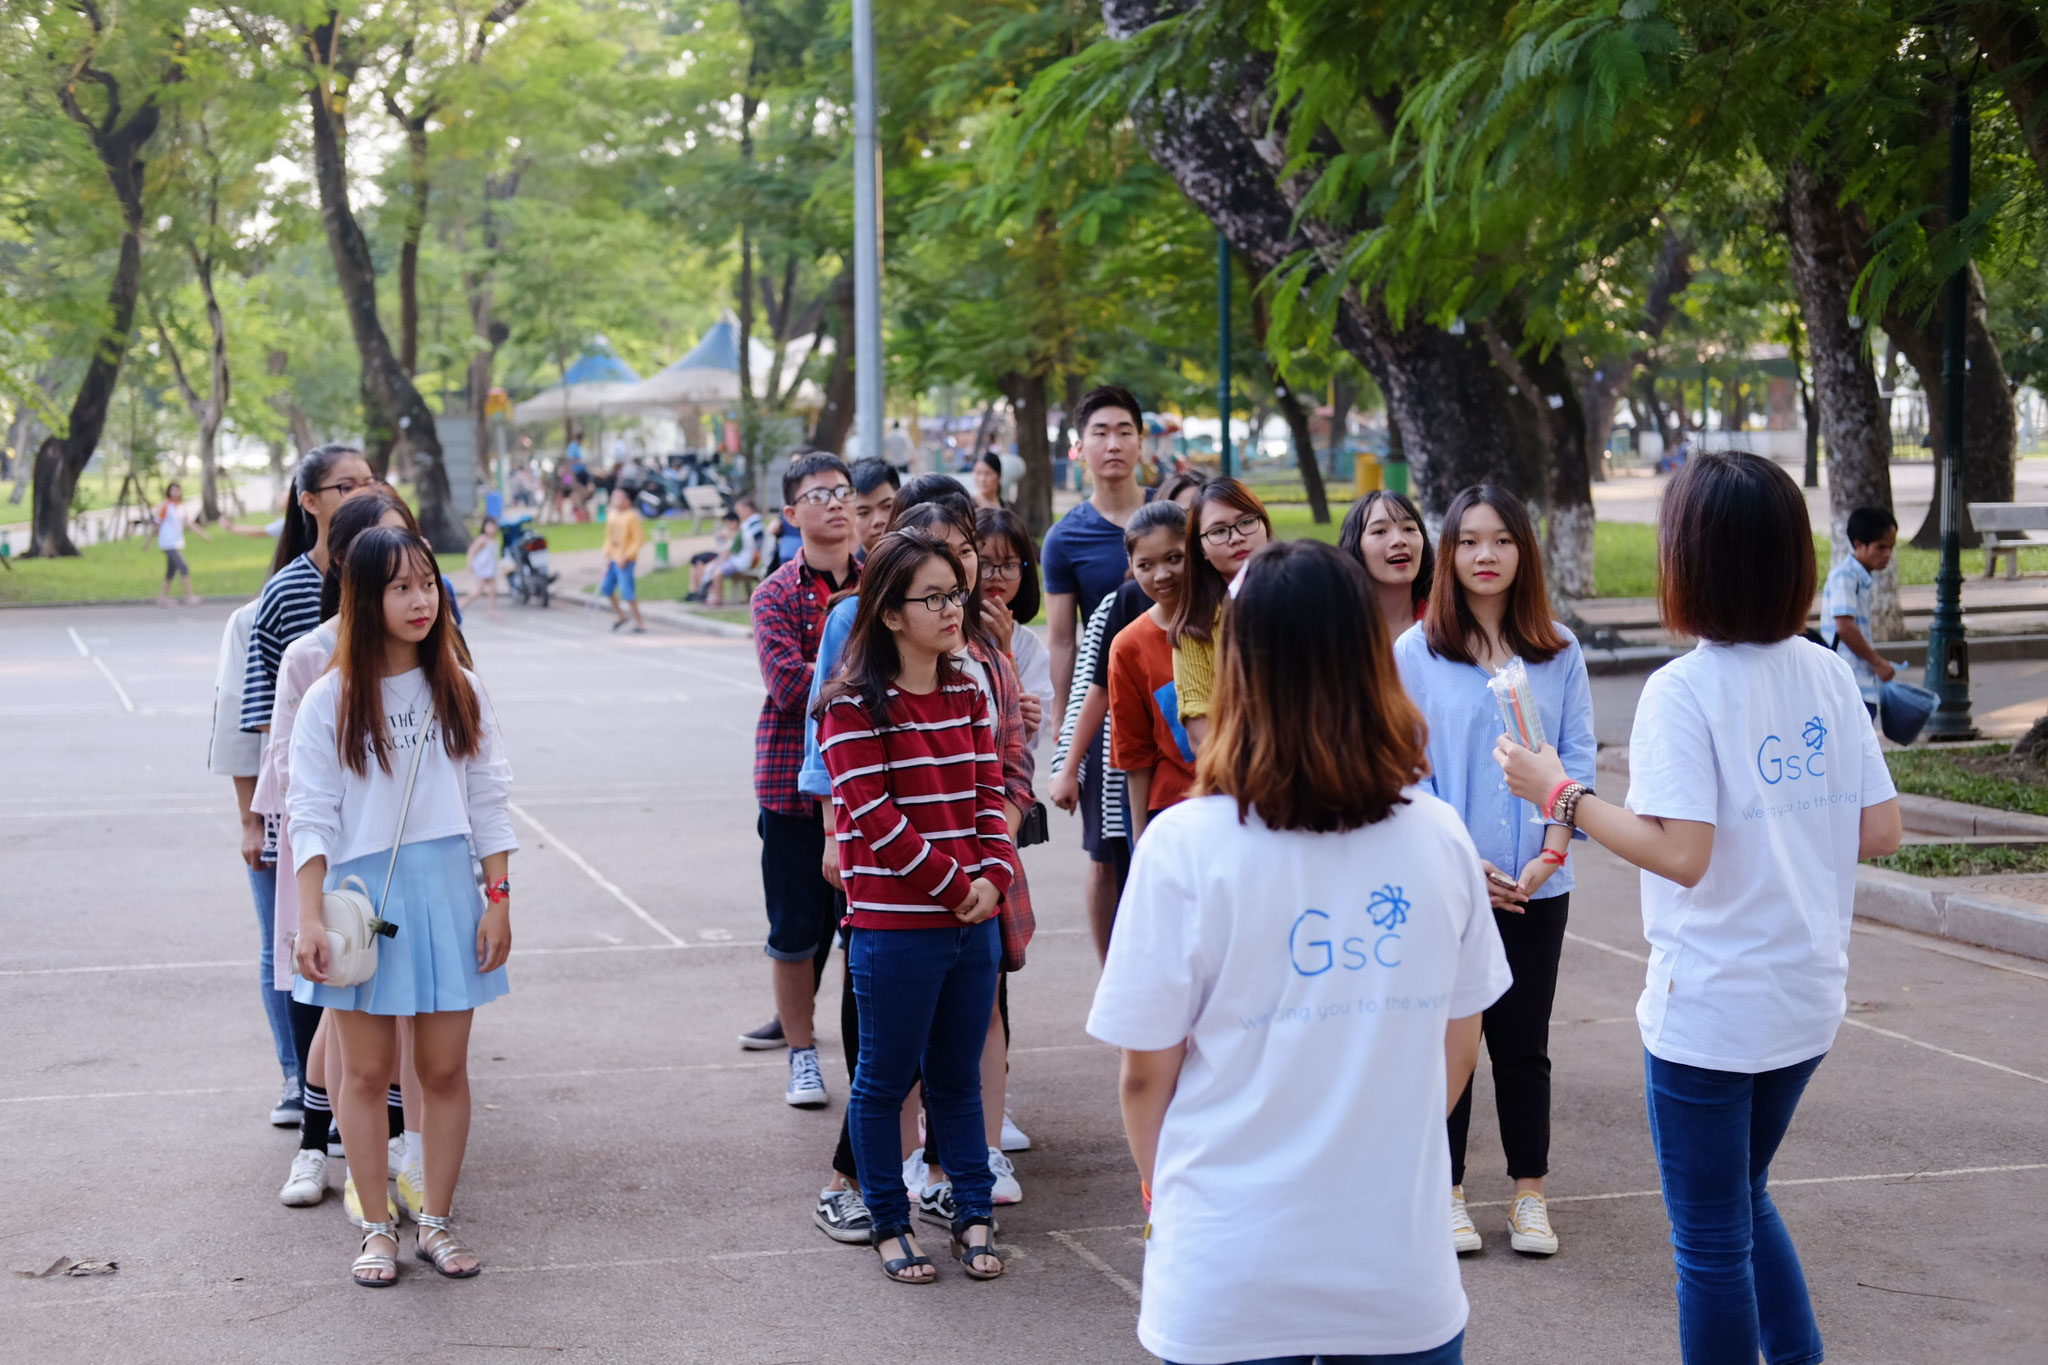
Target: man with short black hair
[(789, 618), (1084, 562), (875, 482)]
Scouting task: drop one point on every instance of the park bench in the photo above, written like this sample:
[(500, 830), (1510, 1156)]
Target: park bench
[(2004, 526), (705, 503)]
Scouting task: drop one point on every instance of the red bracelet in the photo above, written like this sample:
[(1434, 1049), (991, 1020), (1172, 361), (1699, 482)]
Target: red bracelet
[(1552, 856), (1550, 806)]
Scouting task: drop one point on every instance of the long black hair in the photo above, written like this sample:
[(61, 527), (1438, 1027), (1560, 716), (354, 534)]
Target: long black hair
[(1351, 539), (301, 532), (942, 511), (1000, 523), (871, 662)]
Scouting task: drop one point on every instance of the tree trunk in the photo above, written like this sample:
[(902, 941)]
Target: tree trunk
[(1552, 407), (1990, 437), (392, 406), (1343, 393), (1828, 249), (409, 249), (487, 334), (1304, 451), (1027, 392), (1225, 146), (835, 414), (1810, 476), (61, 459)]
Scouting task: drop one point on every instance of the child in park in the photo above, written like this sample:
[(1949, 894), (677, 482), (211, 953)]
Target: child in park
[(483, 565), (1845, 599), (622, 541), (170, 538)]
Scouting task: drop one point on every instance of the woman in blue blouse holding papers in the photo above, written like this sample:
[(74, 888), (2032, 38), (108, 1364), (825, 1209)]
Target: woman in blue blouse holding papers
[(1486, 607)]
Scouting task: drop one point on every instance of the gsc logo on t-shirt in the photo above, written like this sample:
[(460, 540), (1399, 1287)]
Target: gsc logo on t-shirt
[(1387, 909), (1778, 761)]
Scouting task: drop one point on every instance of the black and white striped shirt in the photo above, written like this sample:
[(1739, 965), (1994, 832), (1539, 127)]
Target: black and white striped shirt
[(288, 608)]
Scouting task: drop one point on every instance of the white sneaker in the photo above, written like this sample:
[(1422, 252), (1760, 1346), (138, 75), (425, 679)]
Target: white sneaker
[(1529, 1229), (1014, 1139), (1464, 1234), (307, 1184), (913, 1173), (806, 1082), (1007, 1190)]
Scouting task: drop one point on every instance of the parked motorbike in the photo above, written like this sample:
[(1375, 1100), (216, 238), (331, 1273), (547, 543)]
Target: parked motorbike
[(526, 561)]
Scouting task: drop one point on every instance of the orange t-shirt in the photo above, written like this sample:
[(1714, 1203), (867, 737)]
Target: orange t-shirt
[(1144, 712)]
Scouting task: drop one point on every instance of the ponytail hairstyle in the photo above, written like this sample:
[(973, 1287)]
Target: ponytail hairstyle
[(871, 662), (379, 555), (351, 519), (301, 532), (1528, 627)]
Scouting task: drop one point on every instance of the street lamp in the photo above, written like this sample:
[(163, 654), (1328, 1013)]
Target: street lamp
[(867, 237), (1948, 652)]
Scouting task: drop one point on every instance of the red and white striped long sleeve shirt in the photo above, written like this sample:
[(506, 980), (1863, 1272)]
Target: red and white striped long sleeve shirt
[(919, 804)]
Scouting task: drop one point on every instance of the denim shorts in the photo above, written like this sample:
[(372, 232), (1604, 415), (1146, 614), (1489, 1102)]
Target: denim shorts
[(803, 909), (617, 578)]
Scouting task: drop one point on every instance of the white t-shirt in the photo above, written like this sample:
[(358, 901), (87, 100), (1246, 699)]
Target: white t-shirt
[(170, 526), (1770, 744), (234, 752), (1299, 1195), (341, 815)]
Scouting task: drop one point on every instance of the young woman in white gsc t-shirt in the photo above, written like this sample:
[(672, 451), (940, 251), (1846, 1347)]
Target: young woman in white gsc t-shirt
[(1291, 1038), (1756, 786)]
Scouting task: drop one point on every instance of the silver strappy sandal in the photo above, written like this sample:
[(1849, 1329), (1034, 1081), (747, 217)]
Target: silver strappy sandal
[(445, 1247), (371, 1261)]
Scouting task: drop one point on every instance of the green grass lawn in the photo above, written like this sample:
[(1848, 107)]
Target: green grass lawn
[(226, 566), (1936, 772), (1966, 860)]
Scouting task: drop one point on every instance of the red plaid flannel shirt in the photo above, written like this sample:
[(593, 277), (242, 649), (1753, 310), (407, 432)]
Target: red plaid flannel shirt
[(789, 618), (1016, 919)]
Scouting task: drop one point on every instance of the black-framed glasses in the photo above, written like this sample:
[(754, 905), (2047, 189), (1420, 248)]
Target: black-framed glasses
[(348, 488), (939, 601), (821, 497), (1242, 529), (1002, 569)]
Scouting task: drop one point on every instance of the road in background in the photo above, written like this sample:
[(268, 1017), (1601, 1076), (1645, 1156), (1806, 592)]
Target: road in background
[(636, 1185)]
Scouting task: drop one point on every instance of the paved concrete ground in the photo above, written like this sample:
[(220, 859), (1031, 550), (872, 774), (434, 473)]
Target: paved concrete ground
[(636, 1184), (1632, 495)]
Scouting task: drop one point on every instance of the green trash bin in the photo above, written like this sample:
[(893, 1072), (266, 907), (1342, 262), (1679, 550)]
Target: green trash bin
[(1395, 474)]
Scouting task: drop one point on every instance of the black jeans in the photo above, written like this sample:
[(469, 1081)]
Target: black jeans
[(1517, 1030)]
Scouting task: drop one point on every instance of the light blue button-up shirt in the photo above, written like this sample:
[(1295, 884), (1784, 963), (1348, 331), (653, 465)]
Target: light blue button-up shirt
[(1464, 723), (811, 778)]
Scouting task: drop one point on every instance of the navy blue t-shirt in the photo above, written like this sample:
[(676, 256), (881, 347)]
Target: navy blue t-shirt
[(1084, 555)]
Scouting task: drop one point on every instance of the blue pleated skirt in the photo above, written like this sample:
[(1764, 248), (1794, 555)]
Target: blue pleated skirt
[(430, 965)]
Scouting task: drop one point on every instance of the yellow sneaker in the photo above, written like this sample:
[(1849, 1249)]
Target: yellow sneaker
[(412, 1190), (354, 1205), (1529, 1230)]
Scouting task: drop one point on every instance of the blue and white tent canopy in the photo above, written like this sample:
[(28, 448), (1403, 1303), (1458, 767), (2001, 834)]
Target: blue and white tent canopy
[(599, 385), (709, 376)]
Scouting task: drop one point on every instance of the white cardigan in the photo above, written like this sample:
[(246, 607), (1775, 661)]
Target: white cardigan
[(341, 816)]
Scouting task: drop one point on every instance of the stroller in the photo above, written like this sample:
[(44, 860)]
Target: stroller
[(526, 561)]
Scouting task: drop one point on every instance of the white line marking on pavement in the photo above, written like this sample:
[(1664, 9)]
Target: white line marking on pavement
[(240, 964), (573, 856), (1850, 1021), (1109, 1272), (1982, 957), (127, 702), (1898, 1177), (83, 652)]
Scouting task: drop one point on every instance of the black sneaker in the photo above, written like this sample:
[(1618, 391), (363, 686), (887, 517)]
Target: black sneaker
[(765, 1038), (936, 1206), (843, 1216)]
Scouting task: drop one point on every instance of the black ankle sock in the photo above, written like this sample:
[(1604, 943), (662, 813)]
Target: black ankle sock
[(394, 1109), (313, 1128)]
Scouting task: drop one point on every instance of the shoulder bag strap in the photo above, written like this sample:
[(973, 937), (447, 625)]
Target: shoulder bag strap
[(411, 776)]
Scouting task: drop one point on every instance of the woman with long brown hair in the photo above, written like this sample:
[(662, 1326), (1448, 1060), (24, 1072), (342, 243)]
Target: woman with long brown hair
[(1291, 1039), (1487, 607), (396, 690), (1227, 525)]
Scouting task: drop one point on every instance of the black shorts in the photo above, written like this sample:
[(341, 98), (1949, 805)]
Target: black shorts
[(174, 564), (803, 909)]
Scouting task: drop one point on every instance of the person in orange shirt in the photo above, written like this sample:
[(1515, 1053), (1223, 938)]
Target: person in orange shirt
[(623, 538), (1146, 739)]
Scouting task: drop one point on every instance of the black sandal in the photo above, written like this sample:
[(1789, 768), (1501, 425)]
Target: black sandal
[(967, 1253), (895, 1269)]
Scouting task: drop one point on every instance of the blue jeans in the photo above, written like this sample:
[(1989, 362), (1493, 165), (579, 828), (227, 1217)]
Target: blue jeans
[(925, 996), (276, 1003), (1740, 1287), (1451, 1352)]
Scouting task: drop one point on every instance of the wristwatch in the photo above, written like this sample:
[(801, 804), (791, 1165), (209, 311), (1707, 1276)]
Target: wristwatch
[(500, 890)]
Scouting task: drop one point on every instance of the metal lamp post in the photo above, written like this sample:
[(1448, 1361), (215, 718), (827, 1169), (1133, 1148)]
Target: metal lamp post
[(1223, 341), (1948, 652), (867, 237)]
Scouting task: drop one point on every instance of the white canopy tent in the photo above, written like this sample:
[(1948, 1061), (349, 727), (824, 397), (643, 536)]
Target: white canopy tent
[(709, 376)]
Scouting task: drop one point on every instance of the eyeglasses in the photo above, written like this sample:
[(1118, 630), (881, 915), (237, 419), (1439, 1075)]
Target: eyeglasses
[(348, 488), (939, 601), (821, 497), (1006, 569), (1242, 528)]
